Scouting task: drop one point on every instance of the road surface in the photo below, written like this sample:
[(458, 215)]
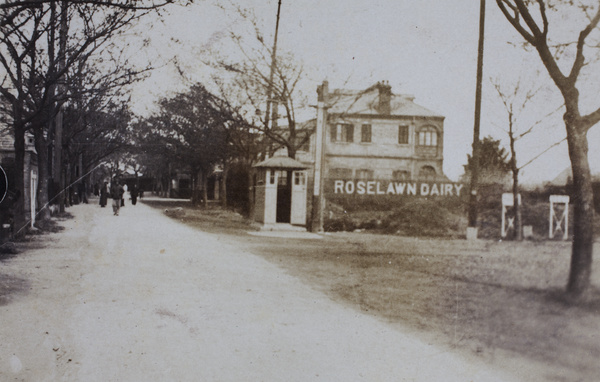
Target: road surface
[(141, 297)]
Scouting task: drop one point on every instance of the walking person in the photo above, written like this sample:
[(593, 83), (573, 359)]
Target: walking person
[(116, 193), (124, 192), (103, 194), (134, 194)]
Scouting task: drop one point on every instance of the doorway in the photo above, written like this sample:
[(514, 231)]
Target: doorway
[(284, 197)]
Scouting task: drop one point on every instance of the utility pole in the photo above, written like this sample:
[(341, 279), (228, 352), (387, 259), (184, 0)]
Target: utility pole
[(472, 230), (58, 165), (272, 105), (318, 200)]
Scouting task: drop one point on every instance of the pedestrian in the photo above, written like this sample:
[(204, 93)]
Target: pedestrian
[(124, 192), (83, 192), (116, 193), (103, 194), (134, 194)]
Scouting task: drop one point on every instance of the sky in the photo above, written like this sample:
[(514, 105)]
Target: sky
[(426, 48)]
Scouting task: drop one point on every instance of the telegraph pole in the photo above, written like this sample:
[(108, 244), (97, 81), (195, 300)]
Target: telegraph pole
[(272, 106), (318, 199), (476, 152)]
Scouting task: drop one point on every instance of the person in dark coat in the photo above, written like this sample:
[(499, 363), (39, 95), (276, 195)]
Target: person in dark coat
[(134, 194), (83, 192), (104, 194)]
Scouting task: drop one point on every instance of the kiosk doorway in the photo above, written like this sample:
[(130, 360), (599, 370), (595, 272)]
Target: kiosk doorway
[(284, 197)]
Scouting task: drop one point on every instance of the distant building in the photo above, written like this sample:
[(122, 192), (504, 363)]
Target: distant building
[(566, 177), (375, 134), (376, 143)]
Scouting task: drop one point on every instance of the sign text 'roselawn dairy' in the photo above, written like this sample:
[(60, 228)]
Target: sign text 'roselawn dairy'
[(376, 187)]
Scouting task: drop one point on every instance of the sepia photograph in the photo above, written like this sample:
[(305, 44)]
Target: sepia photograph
[(277, 190)]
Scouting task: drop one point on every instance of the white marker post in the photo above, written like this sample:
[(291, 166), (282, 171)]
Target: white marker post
[(559, 221), (508, 222)]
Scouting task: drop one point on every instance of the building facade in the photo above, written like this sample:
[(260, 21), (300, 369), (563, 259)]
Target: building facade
[(375, 134)]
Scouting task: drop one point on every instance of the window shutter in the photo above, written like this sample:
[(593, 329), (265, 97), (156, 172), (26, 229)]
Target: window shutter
[(403, 135), (366, 133)]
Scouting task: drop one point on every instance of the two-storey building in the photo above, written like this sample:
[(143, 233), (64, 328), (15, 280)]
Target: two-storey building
[(375, 134)]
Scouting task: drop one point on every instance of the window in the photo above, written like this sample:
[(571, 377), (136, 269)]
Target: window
[(403, 135), (364, 174), (427, 173), (282, 180), (365, 133), (340, 173), (299, 178), (401, 175), (428, 137), (342, 132)]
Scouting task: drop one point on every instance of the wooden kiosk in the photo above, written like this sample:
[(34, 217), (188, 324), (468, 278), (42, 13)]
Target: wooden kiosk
[(280, 192)]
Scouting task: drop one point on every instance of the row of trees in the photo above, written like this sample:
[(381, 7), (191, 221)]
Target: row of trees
[(62, 81)]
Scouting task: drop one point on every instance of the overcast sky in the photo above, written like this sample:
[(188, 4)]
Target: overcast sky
[(427, 48)]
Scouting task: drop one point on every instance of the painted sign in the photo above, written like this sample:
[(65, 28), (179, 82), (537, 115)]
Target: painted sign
[(383, 187)]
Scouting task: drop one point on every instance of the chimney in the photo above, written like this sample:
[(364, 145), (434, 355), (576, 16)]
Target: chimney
[(385, 97), (323, 92)]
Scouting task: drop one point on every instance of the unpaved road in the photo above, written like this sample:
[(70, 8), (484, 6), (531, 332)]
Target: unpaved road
[(140, 297)]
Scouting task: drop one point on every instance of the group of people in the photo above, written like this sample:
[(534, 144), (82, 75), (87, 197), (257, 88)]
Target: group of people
[(116, 192)]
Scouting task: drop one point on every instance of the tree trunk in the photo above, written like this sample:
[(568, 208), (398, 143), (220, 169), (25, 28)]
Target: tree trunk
[(583, 236), (223, 190), (205, 188), (41, 147), (19, 207), (291, 151), (515, 187), (517, 207), (251, 173), (169, 183), (194, 185)]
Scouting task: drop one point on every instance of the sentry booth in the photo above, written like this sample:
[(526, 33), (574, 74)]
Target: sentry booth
[(280, 191)]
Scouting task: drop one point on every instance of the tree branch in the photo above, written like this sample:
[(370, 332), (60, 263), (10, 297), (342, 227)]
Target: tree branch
[(579, 58), (125, 5)]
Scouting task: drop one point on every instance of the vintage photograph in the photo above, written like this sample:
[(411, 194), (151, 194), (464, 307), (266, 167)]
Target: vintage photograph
[(277, 190)]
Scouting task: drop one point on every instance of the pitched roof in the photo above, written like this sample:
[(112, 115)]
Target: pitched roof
[(281, 162), (367, 102)]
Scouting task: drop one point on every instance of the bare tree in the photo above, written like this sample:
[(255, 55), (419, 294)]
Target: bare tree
[(270, 82), (532, 20), (516, 100)]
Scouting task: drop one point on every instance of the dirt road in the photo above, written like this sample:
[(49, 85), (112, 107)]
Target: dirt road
[(140, 297)]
